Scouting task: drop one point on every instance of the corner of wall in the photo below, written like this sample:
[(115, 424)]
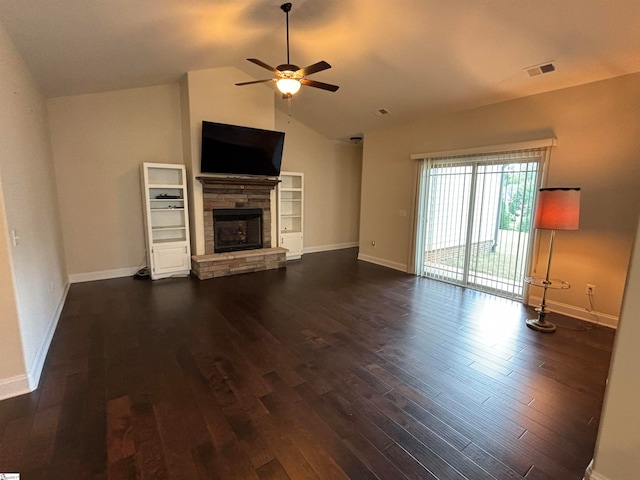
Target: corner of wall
[(591, 474), (382, 262)]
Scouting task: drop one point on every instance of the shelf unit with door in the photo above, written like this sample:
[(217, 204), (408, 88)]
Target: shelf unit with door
[(166, 218), (291, 213)]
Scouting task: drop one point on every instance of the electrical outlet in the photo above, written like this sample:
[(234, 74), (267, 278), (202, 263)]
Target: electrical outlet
[(590, 290)]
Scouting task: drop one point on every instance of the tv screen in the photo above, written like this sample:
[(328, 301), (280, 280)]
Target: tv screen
[(232, 149)]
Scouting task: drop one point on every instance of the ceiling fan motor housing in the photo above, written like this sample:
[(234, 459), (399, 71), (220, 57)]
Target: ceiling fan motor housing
[(288, 67)]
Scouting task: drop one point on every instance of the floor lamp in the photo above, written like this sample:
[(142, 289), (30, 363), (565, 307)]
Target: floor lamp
[(557, 209)]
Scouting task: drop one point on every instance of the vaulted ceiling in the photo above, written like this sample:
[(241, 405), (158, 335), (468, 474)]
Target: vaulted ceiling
[(410, 57)]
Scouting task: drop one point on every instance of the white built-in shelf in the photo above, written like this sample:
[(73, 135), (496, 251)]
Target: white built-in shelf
[(166, 219), (290, 213)]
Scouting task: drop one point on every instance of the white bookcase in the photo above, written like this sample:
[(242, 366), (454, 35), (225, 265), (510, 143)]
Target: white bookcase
[(166, 218), (291, 213)]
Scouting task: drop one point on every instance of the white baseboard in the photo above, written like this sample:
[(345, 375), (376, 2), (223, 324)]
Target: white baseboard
[(14, 386), (590, 474), (103, 275), (25, 383), (327, 248), (385, 263), (37, 365), (577, 312)]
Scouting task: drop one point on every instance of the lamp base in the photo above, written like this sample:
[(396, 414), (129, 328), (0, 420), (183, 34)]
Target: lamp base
[(540, 325)]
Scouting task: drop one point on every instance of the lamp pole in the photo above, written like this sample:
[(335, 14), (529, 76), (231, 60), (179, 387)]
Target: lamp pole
[(541, 323)]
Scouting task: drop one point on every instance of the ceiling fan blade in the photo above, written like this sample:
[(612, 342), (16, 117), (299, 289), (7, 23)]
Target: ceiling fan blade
[(256, 81), (316, 67), (263, 65), (323, 86)]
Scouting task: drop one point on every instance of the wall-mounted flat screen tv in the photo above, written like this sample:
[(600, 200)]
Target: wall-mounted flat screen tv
[(237, 150)]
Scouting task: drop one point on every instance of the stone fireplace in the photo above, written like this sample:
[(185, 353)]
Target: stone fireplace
[(236, 202)]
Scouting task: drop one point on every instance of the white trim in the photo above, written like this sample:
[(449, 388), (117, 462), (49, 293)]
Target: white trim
[(25, 383), (542, 143), (14, 386), (327, 248), (382, 262), (580, 313), (103, 275), (37, 365), (591, 474)]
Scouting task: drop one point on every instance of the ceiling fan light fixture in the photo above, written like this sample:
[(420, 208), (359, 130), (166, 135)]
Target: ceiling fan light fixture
[(288, 86)]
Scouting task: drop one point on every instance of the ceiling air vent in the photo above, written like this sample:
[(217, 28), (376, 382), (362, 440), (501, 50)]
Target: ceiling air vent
[(381, 112), (540, 69)]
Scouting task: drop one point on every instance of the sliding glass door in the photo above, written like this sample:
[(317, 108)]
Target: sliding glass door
[(474, 219)]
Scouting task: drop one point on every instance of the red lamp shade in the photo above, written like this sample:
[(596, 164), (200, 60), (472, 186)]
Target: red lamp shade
[(558, 209)]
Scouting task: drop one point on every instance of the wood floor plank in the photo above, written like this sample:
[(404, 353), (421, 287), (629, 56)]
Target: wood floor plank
[(14, 443), (272, 471), (339, 432), (287, 453), (120, 443), (149, 453), (408, 465), (325, 452), (490, 464), (332, 368), (432, 450)]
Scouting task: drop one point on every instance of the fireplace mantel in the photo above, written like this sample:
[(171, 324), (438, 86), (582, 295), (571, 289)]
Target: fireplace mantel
[(238, 181)]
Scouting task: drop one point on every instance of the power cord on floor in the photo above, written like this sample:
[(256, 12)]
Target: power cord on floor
[(584, 326), (142, 274), (590, 310)]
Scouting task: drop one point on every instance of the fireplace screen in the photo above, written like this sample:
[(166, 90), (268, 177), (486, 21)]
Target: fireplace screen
[(237, 229)]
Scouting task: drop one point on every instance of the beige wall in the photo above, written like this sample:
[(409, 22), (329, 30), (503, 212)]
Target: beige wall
[(332, 184), (212, 95), (12, 362), (99, 141), (616, 455), (33, 281), (598, 134)]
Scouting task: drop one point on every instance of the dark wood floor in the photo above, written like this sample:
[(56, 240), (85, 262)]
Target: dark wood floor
[(331, 369)]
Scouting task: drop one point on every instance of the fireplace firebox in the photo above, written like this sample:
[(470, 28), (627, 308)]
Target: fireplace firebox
[(237, 229)]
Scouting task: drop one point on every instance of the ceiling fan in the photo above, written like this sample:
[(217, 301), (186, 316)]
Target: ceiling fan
[(289, 78)]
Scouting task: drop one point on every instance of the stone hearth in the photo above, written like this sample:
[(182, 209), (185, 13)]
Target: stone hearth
[(234, 263), (230, 193)]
